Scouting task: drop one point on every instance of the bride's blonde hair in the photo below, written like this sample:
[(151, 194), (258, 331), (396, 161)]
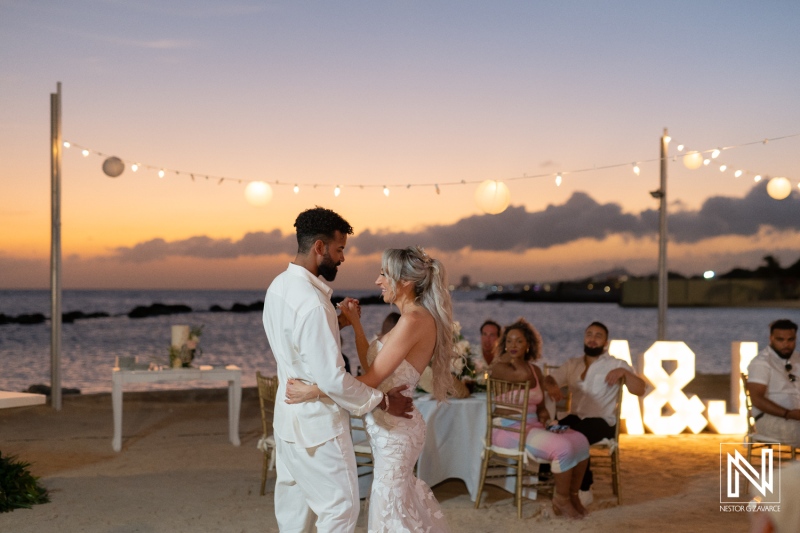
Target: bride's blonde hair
[(430, 288)]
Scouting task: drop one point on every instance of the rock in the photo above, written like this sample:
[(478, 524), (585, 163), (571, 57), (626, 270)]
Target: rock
[(72, 316), (158, 309), (41, 388)]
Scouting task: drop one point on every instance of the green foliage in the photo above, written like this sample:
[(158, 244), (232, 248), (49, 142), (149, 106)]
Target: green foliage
[(18, 488)]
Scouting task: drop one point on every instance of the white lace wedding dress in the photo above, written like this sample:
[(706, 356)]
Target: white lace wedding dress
[(399, 502)]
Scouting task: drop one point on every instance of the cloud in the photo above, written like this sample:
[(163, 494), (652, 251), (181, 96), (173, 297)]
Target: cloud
[(517, 230), (722, 215), (252, 244), (583, 217)]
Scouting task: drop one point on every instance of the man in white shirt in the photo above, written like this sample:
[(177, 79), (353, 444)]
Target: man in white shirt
[(774, 386), (594, 380), (315, 462)]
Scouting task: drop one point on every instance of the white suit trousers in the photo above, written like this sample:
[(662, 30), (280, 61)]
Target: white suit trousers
[(321, 480)]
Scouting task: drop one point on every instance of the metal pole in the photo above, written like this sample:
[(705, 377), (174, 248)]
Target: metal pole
[(55, 248), (662, 243)]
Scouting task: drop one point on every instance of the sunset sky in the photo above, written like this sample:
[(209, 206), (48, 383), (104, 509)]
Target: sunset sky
[(413, 93)]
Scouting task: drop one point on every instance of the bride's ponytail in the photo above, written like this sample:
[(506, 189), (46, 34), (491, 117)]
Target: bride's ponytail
[(430, 287)]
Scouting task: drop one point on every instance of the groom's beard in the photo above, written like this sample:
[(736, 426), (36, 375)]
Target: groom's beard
[(328, 269)]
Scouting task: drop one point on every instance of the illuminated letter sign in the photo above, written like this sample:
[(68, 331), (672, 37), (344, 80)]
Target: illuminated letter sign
[(687, 412), (631, 412)]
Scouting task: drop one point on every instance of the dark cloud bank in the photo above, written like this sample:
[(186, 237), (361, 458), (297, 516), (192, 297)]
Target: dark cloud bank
[(518, 230)]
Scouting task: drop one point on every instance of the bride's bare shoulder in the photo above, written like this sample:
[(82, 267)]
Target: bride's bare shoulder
[(418, 317)]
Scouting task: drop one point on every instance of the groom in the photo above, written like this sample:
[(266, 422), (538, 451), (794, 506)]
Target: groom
[(316, 468)]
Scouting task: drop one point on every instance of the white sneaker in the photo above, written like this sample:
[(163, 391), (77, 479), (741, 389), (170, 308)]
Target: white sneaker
[(586, 497)]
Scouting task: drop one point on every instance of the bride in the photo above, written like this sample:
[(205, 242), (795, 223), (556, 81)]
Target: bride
[(417, 285)]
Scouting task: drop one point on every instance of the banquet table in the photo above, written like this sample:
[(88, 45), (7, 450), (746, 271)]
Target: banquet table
[(231, 374), (20, 399), (454, 442)]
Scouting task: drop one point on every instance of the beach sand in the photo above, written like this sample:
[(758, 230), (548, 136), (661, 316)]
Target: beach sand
[(177, 472)]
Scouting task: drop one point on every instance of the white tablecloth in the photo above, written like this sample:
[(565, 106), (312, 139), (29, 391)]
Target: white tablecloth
[(454, 440), (453, 445)]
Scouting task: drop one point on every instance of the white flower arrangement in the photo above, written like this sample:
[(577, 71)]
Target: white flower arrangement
[(465, 364)]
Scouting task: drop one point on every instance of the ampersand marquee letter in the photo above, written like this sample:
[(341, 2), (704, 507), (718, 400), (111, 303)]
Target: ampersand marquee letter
[(688, 412)]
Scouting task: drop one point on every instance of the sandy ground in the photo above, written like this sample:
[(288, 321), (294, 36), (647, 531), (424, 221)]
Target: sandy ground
[(177, 472)]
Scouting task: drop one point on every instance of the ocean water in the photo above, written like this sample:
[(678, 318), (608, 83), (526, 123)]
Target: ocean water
[(89, 347)]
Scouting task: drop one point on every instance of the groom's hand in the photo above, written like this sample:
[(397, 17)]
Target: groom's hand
[(342, 318), (399, 404)]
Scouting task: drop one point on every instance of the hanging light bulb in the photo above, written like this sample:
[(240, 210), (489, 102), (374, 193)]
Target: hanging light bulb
[(706, 161), (737, 174), (134, 167), (558, 180), (385, 190), (667, 139), (693, 160), (779, 188), (161, 173), (715, 154), (296, 189), (67, 144), (337, 191), (258, 193), (680, 148), (723, 168), (492, 197), (85, 153), (636, 169), (757, 178)]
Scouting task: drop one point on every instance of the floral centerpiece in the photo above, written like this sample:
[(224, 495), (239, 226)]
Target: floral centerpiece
[(465, 365), (185, 345)]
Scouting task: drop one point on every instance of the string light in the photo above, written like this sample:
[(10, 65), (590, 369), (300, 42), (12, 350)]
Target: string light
[(688, 160)]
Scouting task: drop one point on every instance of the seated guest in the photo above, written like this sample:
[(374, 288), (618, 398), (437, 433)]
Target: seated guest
[(774, 385), (594, 380), (568, 453), (490, 332)]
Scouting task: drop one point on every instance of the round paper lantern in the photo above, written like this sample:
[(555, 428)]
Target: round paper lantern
[(693, 160), (779, 188), (492, 197), (258, 193), (113, 167)]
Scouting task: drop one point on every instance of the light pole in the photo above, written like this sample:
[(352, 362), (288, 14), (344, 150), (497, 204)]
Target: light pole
[(55, 248), (661, 194)]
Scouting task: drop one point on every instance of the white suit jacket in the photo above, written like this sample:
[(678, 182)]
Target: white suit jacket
[(302, 330)]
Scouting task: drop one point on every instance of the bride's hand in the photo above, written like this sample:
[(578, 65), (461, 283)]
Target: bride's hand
[(351, 310), (299, 392)]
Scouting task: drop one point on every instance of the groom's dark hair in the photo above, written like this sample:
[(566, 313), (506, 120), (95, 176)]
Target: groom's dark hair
[(318, 224)]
